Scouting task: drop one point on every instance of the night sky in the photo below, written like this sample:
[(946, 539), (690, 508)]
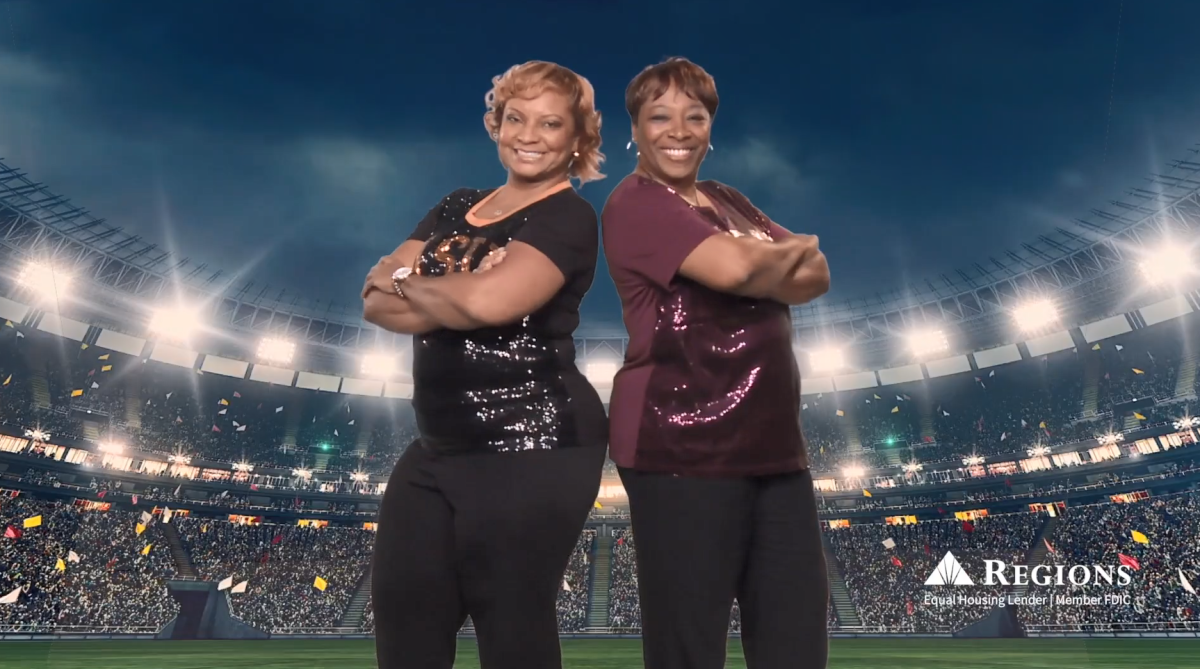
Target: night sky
[(298, 141)]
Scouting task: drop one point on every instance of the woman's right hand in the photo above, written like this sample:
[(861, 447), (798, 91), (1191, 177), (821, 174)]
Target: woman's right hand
[(380, 276), (490, 260)]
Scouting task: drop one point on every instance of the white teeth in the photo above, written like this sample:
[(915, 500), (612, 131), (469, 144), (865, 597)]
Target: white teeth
[(677, 153), (530, 154)]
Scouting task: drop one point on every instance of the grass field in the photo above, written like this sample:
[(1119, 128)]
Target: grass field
[(610, 654)]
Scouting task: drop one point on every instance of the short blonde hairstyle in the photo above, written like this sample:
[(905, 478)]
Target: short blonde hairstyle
[(531, 79)]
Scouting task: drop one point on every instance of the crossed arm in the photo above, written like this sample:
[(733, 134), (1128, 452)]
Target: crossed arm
[(505, 293), (791, 270)]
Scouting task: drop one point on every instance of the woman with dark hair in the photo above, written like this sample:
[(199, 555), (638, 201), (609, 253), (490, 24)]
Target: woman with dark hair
[(482, 512), (705, 413)]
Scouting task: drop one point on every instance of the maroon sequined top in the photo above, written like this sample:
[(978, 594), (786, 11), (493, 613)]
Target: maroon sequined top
[(710, 385)]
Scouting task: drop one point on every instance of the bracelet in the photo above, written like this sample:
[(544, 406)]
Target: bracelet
[(398, 278)]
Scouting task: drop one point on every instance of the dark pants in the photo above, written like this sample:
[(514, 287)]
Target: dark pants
[(703, 542), (487, 535)]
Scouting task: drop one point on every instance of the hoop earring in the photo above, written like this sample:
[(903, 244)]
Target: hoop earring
[(572, 162), (629, 145), (710, 148)]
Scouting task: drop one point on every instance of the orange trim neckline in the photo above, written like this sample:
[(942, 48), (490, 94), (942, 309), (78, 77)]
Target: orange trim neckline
[(480, 223)]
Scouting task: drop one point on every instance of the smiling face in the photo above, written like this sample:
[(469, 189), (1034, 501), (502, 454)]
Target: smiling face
[(672, 133), (536, 137)]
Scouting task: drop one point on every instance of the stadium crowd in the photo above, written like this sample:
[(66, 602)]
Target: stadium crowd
[(70, 390), (1163, 553), (887, 584), (281, 565), (61, 387), (81, 568)]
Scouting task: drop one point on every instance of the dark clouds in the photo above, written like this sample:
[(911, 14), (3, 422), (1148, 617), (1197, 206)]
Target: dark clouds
[(303, 139)]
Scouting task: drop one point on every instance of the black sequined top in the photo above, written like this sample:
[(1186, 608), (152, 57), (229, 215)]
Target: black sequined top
[(514, 387)]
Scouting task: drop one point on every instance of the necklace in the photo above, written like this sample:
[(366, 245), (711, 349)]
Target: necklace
[(675, 191)]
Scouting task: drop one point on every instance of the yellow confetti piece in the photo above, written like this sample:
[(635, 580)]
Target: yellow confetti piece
[(1137, 371), (76, 393), (320, 584), (841, 413), (103, 357), (1139, 537), (146, 550), (140, 528), (896, 409), (106, 368), (34, 521), (866, 493), (60, 565), (83, 347)]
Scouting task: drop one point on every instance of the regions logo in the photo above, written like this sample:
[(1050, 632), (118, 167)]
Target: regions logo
[(997, 572), (949, 572)]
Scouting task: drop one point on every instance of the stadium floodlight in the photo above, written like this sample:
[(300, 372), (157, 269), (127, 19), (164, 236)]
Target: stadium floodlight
[(973, 460), (1111, 438), (1038, 451), (379, 365), (912, 467), (853, 472), (44, 280), (37, 435), (1183, 423), (302, 473), (243, 467), (111, 447), (176, 323), (828, 359), (1168, 264), (276, 350), (600, 372), (1035, 315), (927, 342), (359, 477)]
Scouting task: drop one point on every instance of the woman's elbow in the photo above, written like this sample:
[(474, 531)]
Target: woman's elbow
[(825, 276), (816, 287), (374, 307)]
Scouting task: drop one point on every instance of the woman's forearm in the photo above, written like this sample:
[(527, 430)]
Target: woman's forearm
[(806, 282), (770, 265), (396, 314), (448, 300)]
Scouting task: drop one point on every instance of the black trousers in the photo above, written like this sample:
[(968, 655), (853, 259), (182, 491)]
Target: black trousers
[(703, 542), (487, 535)]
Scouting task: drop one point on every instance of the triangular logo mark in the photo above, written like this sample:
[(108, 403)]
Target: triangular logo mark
[(949, 572)]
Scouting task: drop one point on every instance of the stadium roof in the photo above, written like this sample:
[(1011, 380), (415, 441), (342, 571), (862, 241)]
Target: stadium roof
[(130, 274)]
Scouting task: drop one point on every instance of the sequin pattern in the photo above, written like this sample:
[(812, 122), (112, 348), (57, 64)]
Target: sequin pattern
[(493, 389), (724, 396)]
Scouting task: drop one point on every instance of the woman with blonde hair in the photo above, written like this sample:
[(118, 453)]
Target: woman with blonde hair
[(705, 412), (483, 511)]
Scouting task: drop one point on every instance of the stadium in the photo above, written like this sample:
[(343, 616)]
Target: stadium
[(1006, 458)]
